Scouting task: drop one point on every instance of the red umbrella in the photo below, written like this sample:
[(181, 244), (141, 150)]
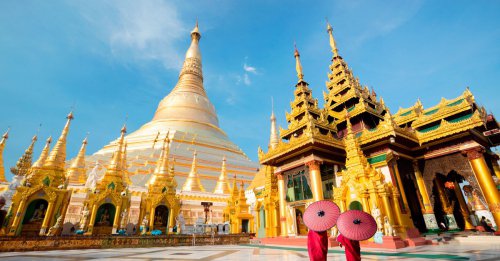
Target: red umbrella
[(357, 225), (321, 215)]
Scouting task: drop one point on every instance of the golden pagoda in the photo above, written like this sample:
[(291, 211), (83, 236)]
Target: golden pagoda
[(42, 200), (161, 204), (237, 211), (110, 199), (193, 180), (410, 166), (222, 187)]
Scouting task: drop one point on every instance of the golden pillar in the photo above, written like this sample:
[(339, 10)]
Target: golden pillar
[(427, 209), (366, 205), (17, 219), (342, 205), (92, 219), (116, 221), (423, 190), (445, 203), (400, 187), (315, 177), (282, 202), (48, 217), (464, 210), (483, 176), (171, 221), (397, 209), (387, 207), (151, 218)]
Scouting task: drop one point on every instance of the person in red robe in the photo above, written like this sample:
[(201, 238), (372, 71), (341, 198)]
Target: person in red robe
[(352, 249), (317, 245)]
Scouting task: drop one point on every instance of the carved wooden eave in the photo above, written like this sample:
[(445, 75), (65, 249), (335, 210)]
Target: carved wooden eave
[(444, 109), (296, 143), (446, 128)]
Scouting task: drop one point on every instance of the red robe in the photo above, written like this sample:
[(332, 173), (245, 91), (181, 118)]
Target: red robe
[(317, 245), (352, 249)]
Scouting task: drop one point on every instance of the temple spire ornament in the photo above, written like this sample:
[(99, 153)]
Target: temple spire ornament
[(193, 180), (2, 147), (222, 187), (298, 65), (329, 29), (76, 173), (24, 163), (57, 156), (43, 156)]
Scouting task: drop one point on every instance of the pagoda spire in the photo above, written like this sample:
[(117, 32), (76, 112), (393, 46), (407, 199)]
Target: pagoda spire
[(24, 163), (2, 147), (77, 171), (43, 156), (234, 189), (117, 160), (57, 156), (193, 180), (298, 65), (222, 187), (329, 29), (274, 138), (191, 75), (161, 174), (126, 177)]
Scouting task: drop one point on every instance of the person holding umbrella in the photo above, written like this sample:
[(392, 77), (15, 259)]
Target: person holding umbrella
[(319, 217), (354, 226)]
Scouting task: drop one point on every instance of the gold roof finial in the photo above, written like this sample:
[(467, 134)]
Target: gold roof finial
[(298, 66), (116, 161), (57, 156), (76, 173), (24, 163), (222, 187), (193, 181), (43, 156), (126, 177), (161, 173), (329, 29), (2, 147), (196, 32)]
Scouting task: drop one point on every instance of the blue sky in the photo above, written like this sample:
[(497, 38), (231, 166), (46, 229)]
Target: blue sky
[(113, 59)]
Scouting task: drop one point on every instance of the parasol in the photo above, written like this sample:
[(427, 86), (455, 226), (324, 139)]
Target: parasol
[(321, 215), (356, 225)]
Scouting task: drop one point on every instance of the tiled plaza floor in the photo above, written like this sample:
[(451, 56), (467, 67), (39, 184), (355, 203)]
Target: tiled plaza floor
[(450, 251)]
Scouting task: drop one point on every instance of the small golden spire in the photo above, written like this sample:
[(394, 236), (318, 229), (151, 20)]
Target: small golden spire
[(193, 180), (171, 176), (23, 165), (57, 156), (274, 138), (234, 189), (196, 32), (298, 66), (332, 40), (2, 147), (43, 156), (222, 187), (76, 173), (116, 161)]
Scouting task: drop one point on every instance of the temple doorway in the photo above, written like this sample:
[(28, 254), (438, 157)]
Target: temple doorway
[(161, 218), (244, 226), (33, 217), (355, 205), (301, 226), (413, 196), (450, 206), (103, 224)]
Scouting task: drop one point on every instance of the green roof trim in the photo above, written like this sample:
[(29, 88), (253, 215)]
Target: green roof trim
[(377, 159), (431, 111), (424, 130), (455, 103), (358, 134), (351, 108), (406, 113), (461, 118)]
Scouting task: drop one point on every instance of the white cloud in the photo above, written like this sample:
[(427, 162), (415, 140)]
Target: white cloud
[(249, 68), (246, 79), (137, 30)]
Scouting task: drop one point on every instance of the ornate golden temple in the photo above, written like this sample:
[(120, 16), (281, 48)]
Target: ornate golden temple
[(418, 170), (144, 181)]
